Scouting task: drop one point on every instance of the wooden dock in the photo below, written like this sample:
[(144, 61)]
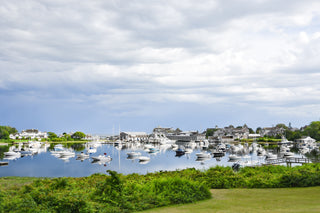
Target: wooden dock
[(288, 161)]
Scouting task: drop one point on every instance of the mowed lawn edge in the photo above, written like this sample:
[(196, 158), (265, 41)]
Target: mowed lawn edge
[(253, 200)]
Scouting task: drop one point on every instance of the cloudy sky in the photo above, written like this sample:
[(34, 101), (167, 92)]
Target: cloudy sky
[(69, 65)]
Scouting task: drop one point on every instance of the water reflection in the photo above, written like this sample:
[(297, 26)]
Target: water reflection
[(83, 159)]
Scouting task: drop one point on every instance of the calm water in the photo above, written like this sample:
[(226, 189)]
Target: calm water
[(44, 164)]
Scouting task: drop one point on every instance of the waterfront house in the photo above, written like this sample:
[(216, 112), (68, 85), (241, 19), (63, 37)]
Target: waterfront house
[(271, 131), (133, 136), (187, 136), (230, 132), (29, 133), (305, 142)]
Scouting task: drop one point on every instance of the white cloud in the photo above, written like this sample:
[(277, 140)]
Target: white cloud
[(132, 54)]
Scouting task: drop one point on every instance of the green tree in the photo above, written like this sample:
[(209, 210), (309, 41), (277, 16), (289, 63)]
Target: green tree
[(251, 131), (67, 137), (178, 130), (52, 135), (292, 135), (78, 135), (209, 132), (281, 126), (5, 131), (313, 130), (4, 134), (258, 130)]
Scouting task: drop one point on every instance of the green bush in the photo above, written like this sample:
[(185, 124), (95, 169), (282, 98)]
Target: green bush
[(128, 193), (178, 190)]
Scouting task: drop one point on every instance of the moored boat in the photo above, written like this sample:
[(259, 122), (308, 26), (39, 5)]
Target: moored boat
[(12, 153), (103, 158), (133, 154), (144, 158), (82, 155), (234, 157), (203, 155)]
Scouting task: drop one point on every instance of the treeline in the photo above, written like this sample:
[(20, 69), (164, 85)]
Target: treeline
[(5, 131), (77, 136)]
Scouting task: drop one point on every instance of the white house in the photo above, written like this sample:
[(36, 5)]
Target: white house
[(307, 142), (29, 133)]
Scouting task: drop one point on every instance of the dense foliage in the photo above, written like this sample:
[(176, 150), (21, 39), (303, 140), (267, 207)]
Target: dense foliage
[(313, 130), (101, 193), (5, 131), (77, 136), (119, 193), (248, 177)]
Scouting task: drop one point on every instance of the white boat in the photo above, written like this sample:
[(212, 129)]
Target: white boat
[(174, 147), (234, 157), (133, 154), (57, 150), (12, 153), (103, 158), (144, 158), (203, 155), (82, 155), (288, 155), (188, 150), (67, 154), (144, 162), (271, 156)]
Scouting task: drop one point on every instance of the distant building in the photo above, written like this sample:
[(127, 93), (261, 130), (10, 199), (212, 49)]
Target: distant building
[(253, 136), (272, 131), (29, 133), (305, 140), (162, 131), (92, 137), (241, 132), (227, 139), (187, 136), (133, 136)]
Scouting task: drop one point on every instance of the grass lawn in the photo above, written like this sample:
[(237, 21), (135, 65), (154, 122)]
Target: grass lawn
[(7, 183), (254, 200)]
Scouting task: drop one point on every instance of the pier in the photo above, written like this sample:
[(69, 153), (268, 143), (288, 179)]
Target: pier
[(288, 161)]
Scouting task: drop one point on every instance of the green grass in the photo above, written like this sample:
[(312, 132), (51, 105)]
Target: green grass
[(253, 200), (7, 183)]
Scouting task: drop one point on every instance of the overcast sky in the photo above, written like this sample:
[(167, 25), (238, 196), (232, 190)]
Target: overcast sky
[(68, 65)]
